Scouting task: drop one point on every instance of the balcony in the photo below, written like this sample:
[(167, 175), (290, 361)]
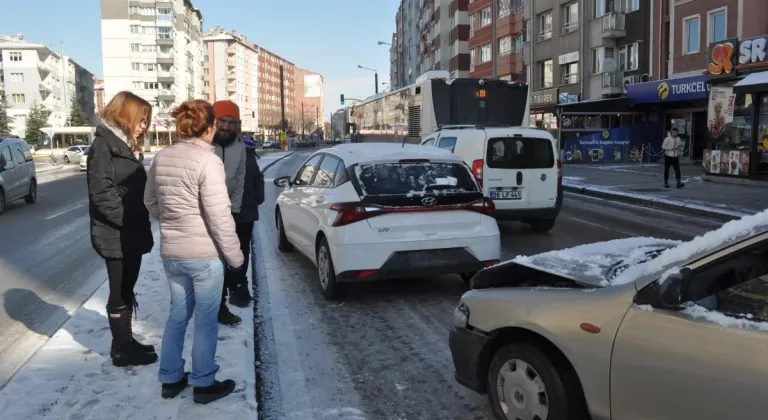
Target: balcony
[(165, 76), (232, 61), (613, 83), (614, 25), (44, 68), (162, 40), (165, 57), (166, 95), (44, 88)]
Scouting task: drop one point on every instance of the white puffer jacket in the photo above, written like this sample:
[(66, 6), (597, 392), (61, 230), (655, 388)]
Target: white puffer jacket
[(187, 192)]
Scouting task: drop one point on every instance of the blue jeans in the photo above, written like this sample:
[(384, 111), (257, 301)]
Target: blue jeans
[(195, 289)]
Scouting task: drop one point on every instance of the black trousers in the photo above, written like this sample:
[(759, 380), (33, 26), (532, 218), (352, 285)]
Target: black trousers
[(674, 162), (123, 274), (232, 279)]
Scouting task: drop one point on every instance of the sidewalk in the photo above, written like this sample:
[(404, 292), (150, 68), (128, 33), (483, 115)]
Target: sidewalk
[(72, 377), (644, 185)]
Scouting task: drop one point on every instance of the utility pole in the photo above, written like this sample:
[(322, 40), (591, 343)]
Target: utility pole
[(283, 124), (376, 81)]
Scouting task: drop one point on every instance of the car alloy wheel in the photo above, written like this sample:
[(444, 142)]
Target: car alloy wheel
[(282, 240), (31, 198), (322, 267), (522, 393), (66, 158), (325, 271)]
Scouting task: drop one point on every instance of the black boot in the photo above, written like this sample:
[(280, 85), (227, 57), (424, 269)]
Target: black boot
[(228, 318), (149, 348), (207, 394), (240, 296), (123, 351), (174, 389)]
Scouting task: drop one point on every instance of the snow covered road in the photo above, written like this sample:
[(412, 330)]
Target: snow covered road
[(382, 351)]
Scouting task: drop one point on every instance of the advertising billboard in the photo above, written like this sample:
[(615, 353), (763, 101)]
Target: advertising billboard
[(313, 86)]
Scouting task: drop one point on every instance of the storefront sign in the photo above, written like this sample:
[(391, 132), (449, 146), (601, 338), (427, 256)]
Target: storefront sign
[(670, 90), (544, 98), (567, 98), (568, 58), (724, 56)]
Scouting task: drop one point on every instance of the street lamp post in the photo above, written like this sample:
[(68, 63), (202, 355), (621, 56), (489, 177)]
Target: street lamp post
[(375, 75)]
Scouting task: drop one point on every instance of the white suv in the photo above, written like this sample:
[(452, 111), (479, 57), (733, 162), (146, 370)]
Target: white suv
[(376, 211)]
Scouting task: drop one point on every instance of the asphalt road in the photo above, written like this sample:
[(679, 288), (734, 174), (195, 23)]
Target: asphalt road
[(382, 352)]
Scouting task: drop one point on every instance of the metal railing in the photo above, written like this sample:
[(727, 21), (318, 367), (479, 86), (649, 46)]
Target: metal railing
[(544, 35), (569, 79), (613, 79), (570, 27)]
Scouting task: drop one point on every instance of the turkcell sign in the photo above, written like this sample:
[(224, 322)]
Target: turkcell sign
[(670, 90)]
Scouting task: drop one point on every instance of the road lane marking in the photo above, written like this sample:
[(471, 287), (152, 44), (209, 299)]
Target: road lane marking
[(65, 211)]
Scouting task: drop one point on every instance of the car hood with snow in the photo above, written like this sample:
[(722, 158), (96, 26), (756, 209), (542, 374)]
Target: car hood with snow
[(614, 262)]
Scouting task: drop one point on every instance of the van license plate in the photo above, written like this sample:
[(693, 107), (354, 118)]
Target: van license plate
[(506, 195)]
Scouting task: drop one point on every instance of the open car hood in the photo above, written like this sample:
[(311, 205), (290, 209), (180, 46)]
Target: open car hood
[(591, 265)]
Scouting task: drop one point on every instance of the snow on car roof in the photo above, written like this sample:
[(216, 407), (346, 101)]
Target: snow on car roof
[(372, 152)]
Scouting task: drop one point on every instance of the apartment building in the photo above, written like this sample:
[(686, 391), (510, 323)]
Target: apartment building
[(394, 63), (458, 38), (269, 92), (231, 72), (98, 94), (33, 74), (496, 39), (308, 100), (409, 43), (153, 49)]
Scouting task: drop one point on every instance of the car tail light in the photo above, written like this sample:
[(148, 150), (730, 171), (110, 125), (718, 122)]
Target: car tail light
[(348, 213), (477, 171), (559, 172), (490, 263)]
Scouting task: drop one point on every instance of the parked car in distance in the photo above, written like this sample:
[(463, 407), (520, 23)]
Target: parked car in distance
[(74, 153), (84, 161), (600, 330), (18, 177), (377, 211), (517, 167)]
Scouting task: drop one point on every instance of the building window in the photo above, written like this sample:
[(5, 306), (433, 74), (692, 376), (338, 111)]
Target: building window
[(601, 8), (546, 74), (570, 17), (135, 29), (485, 17), (135, 47), (150, 85), (18, 98), (517, 43), (599, 55), (133, 10), (471, 26), (17, 77), (164, 32), (545, 26), (138, 85), (631, 6), (628, 57), (691, 35), (150, 67), (205, 71), (206, 83), (147, 11), (717, 28), (472, 60), (136, 66), (505, 45), (164, 13), (149, 48), (570, 73), (14, 55), (485, 53)]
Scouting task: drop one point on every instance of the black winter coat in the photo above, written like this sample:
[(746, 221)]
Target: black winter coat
[(116, 179), (253, 190)]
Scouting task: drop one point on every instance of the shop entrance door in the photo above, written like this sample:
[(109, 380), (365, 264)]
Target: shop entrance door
[(683, 122)]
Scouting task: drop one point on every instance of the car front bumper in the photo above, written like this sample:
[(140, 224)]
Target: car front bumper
[(468, 349)]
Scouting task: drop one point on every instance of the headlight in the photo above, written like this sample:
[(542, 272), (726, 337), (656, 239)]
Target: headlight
[(461, 315)]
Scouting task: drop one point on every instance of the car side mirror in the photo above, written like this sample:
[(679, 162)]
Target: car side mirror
[(283, 181), (673, 288)]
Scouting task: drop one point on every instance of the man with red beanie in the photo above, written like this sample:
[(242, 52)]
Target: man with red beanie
[(231, 150)]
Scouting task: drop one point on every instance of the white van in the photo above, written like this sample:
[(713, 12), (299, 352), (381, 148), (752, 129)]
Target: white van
[(517, 167)]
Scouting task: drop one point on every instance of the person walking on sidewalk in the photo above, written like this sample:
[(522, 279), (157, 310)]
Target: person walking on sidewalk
[(187, 192), (230, 149), (120, 228), (673, 147), (253, 196)]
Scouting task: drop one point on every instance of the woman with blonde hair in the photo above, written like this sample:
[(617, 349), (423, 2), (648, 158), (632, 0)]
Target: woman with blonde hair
[(187, 192), (120, 228)]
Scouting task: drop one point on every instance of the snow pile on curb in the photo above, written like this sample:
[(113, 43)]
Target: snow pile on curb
[(72, 377)]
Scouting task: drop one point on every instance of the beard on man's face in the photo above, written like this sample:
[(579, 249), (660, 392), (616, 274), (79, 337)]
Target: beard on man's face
[(224, 137)]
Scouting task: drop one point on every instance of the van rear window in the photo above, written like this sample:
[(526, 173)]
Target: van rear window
[(520, 153), (415, 178)]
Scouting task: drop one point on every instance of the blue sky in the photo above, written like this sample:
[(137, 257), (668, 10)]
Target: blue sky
[(330, 37)]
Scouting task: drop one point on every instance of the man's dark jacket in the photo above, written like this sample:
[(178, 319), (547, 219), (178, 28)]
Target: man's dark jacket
[(116, 179), (253, 190)]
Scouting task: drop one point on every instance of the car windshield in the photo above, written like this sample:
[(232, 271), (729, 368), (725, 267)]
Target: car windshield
[(398, 178)]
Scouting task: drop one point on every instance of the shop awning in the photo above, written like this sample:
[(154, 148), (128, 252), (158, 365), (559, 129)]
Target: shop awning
[(754, 83), (598, 106)]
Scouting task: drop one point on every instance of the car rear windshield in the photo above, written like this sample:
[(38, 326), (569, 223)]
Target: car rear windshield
[(398, 178), (520, 153)]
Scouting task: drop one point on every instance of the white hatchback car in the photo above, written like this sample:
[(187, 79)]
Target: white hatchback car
[(377, 211)]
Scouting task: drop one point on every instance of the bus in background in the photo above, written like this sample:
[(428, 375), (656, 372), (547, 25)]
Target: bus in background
[(411, 113)]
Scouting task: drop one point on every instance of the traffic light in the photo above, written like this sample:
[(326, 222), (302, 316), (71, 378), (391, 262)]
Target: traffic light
[(342, 99)]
